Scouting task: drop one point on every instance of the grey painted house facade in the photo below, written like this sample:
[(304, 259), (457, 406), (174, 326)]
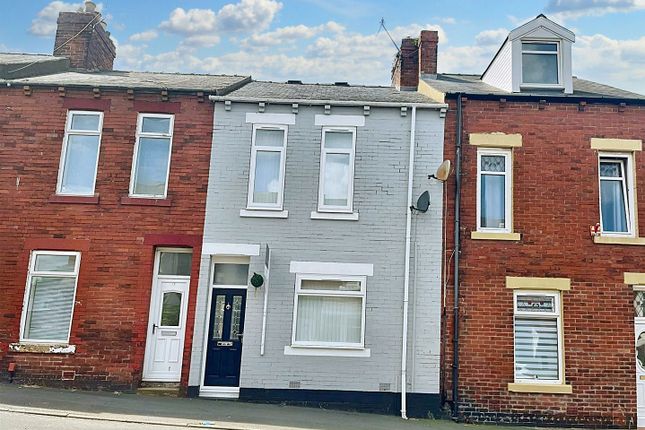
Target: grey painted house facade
[(303, 270)]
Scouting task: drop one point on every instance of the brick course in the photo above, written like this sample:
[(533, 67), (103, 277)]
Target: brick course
[(555, 201), (113, 294)]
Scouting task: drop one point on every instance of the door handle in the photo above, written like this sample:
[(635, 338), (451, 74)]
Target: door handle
[(154, 327)]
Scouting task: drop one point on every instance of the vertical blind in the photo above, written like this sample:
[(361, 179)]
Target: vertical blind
[(536, 348)]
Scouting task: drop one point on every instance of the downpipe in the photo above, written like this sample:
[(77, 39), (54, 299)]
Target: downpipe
[(406, 275), (457, 232)]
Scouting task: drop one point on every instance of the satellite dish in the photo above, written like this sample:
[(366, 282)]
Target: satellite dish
[(442, 172), (422, 203)]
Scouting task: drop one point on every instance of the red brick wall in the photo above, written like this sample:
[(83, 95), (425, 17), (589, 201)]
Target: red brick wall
[(110, 317), (555, 202)]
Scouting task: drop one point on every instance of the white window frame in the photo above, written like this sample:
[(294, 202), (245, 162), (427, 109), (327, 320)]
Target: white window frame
[(628, 191), (229, 259), (283, 156), (349, 208), (26, 306), (328, 293), (69, 132), (135, 156), (557, 314), (557, 53), (508, 190)]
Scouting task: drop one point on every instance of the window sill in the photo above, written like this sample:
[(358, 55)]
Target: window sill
[(540, 388), (339, 216), (86, 200), (480, 235), (530, 86), (618, 240), (263, 213), (42, 348), (327, 352), (145, 201)]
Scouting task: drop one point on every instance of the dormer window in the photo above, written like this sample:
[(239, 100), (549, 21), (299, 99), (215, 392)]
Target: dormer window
[(540, 63)]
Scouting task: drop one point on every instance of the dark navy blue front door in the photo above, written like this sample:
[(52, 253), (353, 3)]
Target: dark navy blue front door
[(224, 347)]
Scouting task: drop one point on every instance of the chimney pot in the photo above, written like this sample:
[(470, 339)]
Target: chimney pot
[(90, 6)]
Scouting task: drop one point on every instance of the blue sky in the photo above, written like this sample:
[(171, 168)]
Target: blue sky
[(336, 40)]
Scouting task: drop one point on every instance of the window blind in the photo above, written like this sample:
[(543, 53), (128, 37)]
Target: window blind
[(536, 348), (51, 304)]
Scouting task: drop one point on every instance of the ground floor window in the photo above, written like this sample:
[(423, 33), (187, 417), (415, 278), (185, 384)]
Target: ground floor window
[(538, 337), (49, 296), (329, 311)]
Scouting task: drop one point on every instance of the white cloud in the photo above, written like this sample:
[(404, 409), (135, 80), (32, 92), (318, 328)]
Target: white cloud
[(200, 41), (620, 63), (144, 36), (44, 24), (332, 55), (572, 9), (491, 37), (245, 16), (192, 21), (289, 35)]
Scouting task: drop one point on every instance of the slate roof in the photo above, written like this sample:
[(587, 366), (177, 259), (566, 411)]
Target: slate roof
[(19, 58), (18, 65), (473, 85), (217, 84), (264, 90)]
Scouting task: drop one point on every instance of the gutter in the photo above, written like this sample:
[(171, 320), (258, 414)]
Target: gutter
[(307, 102), (515, 97), (406, 275), (15, 83), (457, 232)]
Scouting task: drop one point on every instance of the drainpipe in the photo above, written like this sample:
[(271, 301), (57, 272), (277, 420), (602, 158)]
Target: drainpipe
[(406, 275), (455, 336)]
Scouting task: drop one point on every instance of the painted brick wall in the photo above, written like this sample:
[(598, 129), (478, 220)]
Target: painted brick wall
[(378, 238), (556, 200), (111, 313)]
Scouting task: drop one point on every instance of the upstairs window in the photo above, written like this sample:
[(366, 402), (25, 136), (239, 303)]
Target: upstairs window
[(151, 163), (494, 190), (540, 65), (616, 196), (336, 189), (268, 156), (80, 155)]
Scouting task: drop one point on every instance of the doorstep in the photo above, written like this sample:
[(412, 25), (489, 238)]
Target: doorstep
[(169, 389)]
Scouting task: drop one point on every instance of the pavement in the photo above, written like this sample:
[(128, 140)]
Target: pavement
[(32, 407)]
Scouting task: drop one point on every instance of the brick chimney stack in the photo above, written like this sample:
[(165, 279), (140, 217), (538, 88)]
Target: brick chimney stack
[(418, 56), (428, 44), (82, 37)]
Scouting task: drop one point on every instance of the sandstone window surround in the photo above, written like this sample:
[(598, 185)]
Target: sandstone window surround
[(618, 202), (538, 320), (495, 185)]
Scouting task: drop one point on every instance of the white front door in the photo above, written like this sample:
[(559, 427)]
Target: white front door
[(640, 372), (167, 321)]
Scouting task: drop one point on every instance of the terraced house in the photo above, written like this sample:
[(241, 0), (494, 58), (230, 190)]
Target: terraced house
[(545, 235), (309, 197), (104, 179), (313, 269)]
